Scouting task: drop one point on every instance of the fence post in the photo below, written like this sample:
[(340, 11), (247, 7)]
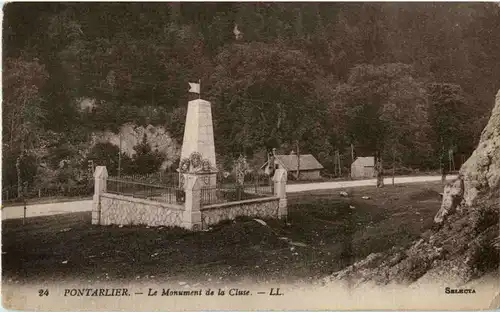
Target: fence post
[(192, 215), (280, 176), (256, 182), (100, 176)]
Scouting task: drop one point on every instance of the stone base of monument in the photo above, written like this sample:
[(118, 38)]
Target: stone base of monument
[(209, 179)]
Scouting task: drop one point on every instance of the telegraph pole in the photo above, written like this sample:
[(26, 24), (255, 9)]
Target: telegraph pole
[(442, 164), (337, 163), (18, 170), (298, 159), (120, 156), (393, 164), (352, 160), (340, 163)]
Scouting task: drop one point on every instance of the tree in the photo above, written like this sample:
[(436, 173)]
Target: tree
[(145, 160), (301, 71), (382, 110), (447, 108), (22, 111), (262, 97), (27, 166), (106, 154)]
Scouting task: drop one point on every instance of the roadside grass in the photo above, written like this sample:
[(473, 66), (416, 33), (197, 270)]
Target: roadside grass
[(324, 232)]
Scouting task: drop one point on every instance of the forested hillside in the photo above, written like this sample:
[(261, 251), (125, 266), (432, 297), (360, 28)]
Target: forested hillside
[(410, 80)]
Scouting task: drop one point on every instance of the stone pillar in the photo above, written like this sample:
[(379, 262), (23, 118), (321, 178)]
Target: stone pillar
[(100, 176), (191, 218), (279, 179)]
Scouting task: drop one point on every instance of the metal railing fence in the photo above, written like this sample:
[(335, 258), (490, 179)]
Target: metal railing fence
[(156, 192)]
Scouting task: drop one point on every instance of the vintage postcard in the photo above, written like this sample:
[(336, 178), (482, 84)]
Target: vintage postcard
[(250, 156)]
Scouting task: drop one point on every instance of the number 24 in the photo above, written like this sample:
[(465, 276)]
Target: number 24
[(43, 292)]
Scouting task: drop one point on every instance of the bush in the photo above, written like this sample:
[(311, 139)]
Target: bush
[(483, 255), (485, 216)]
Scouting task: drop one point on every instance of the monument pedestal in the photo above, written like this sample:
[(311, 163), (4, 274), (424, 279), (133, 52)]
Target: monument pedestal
[(207, 183), (191, 217)]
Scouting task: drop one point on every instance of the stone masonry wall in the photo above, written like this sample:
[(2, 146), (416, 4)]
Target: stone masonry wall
[(126, 210), (260, 207)]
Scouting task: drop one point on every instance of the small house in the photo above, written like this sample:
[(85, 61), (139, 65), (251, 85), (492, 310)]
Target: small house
[(363, 167), (310, 168)]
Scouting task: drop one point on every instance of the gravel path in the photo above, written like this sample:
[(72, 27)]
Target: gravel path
[(292, 188), (38, 210)]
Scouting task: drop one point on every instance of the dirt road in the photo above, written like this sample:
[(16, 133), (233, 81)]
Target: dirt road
[(16, 212), (38, 210), (292, 188)]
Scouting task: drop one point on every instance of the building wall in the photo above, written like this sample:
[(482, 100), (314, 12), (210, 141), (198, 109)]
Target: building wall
[(360, 171), (127, 210), (260, 207), (369, 172), (308, 174)]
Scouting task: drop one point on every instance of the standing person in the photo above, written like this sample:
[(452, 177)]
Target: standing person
[(270, 167), (271, 164), (379, 170)]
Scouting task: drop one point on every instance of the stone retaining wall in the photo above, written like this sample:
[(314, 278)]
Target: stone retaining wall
[(259, 207), (126, 210)]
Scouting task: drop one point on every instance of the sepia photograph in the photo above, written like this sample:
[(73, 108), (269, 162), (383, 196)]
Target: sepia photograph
[(195, 156)]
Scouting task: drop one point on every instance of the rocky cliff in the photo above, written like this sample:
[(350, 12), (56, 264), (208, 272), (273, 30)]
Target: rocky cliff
[(481, 172), (464, 243), (131, 135)]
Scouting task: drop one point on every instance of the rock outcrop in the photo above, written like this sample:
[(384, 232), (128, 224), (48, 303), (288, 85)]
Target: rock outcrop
[(158, 138), (479, 176), (452, 197), (465, 243), (481, 172)]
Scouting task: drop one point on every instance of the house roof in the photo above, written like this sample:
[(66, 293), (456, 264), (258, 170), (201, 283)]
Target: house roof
[(365, 161), (307, 162)]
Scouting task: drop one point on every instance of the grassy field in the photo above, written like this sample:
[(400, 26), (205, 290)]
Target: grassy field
[(324, 232)]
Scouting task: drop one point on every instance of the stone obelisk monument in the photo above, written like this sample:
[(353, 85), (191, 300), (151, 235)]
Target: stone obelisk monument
[(198, 149), (198, 131), (197, 170)]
